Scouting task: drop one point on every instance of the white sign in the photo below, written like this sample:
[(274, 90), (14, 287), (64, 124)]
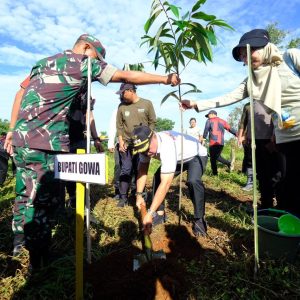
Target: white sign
[(89, 168)]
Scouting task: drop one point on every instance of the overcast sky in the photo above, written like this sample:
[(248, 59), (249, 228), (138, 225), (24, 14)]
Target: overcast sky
[(31, 29)]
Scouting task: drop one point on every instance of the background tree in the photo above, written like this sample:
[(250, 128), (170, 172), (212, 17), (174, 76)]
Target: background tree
[(164, 124), (4, 125), (278, 36)]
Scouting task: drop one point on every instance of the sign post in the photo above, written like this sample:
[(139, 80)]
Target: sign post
[(81, 168)]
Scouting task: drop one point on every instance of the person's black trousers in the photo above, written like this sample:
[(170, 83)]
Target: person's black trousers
[(215, 155), (195, 169), (129, 166)]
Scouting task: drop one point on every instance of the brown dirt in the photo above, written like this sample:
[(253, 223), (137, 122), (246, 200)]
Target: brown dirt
[(112, 277)]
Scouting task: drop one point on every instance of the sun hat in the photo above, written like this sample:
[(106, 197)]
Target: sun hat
[(256, 38)]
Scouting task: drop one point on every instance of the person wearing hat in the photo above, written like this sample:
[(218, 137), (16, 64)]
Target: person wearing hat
[(132, 112), (165, 146), (42, 130), (215, 127), (276, 85)]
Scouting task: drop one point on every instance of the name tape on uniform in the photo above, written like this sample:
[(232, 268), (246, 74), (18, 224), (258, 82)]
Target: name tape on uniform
[(81, 167)]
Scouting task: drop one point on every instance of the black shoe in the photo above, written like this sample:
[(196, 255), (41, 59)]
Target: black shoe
[(199, 228), (159, 219), (122, 203), (117, 197)]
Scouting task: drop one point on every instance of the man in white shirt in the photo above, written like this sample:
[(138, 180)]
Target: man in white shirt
[(166, 147), (193, 130)]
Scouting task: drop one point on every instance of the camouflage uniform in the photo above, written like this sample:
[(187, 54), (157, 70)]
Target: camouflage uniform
[(42, 130)]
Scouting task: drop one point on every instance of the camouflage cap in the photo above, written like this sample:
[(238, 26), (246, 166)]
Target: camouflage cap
[(95, 43)]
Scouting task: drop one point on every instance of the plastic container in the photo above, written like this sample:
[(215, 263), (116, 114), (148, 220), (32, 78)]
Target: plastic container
[(289, 224), (272, 242)]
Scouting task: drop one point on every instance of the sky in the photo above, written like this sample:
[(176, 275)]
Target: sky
[(31, 30)]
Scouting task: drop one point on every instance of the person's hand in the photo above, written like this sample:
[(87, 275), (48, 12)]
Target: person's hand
[(140, 201), (122, 146), (111, 150), (8, 143), (147, 224), (187, 104), (98, 145), (173, 79), (240, 140)]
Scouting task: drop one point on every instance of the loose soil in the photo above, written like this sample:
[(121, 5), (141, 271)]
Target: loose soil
[(112, 277)]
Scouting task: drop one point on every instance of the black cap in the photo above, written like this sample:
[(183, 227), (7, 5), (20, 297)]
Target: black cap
[(141, 136), (126, 86), (255, 38), (211, 112)]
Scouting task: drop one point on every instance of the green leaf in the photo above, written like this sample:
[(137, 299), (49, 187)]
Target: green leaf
[(199, 27), (220, 23), (171, 94), (190, 92), (189, 84), (154, 6), (175, 10), (204, 44), (158, 34), (188, 54), (211, 36), (181, 59), (203, 16), (151, 20), (156, 59), (186, 15), (198, 4)]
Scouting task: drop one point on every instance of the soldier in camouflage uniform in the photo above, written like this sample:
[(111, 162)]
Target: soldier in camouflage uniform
[(41, 132)]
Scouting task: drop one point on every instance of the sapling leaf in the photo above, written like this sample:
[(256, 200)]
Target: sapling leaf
[(171, 94), (151, 20), (203, 16), (192, 91), (175, 10), (197, 5)]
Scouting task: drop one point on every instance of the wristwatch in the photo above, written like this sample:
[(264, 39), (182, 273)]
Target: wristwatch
[(151, 213)]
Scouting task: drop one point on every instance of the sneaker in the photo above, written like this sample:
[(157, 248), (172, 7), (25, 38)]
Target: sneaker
[(199, 228), (159, 219), (18, 250), (248, 188), (122, 203)]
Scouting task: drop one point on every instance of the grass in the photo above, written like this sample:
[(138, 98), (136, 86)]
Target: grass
[(219, 267)]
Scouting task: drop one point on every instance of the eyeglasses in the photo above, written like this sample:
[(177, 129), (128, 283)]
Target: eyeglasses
[(243, 52)]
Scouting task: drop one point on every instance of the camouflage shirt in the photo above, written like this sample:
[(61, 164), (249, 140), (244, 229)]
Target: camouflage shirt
[(55, 82)]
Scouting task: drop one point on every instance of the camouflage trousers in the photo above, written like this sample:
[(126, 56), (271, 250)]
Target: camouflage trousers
[(37, 195)]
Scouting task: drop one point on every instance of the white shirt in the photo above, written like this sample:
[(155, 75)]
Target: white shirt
[(112, 131), (169, 150), (194, 131)]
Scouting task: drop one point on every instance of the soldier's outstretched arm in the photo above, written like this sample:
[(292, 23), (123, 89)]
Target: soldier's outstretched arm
[(137, 77)]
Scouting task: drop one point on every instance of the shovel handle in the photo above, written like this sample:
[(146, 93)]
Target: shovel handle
[(143, 211)]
